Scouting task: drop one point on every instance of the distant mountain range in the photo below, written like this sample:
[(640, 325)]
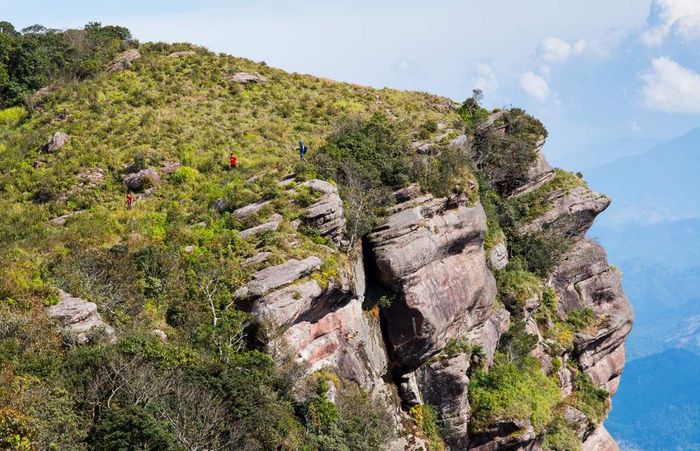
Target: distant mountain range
[(652, 232), (658, 404), (658, 185)]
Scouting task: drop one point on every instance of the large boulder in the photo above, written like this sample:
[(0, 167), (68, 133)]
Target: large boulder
[(245, 78), (444, 384), (278, 276), (572, 212), (141, 180), (584, 279), (124, 60), (58, 140), (600, 440), (431, 257), (326, 214), (80, 318)]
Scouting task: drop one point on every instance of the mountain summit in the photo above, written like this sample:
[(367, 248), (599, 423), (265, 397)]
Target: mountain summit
[(177, 274)]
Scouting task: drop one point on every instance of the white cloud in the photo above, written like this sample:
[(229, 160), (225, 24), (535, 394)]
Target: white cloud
[(580, 46), (671, 88), (486, 78), (555, 49), (681, 16), (535, 86), (635, 126)]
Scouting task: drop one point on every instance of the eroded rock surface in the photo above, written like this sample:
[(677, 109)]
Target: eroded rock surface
[(80, 318), (326, 214), (245, 78), (572, 212), (584, 279), (58, 140), (124, 60), (274, 277), (431, 256)]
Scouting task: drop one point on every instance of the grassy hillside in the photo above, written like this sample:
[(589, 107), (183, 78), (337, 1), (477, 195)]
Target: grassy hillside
[(173, 261), (145, 267)]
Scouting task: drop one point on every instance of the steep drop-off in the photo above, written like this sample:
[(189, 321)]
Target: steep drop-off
[(219, 279)]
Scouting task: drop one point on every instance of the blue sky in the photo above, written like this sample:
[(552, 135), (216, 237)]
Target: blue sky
[(606, 77)]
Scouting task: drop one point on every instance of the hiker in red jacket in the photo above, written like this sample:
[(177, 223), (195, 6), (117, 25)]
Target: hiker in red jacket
[(234, 161), (129, 200)]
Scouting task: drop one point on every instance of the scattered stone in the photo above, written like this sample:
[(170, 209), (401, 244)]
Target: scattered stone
[(245, 78), (182, 53), (91, 178), (498, 256), (80, 318), (248, 210), (144, 179), (259, 258), (124, 60), (270, 226), (62, 220), (58, 140), (160, 335), (168, 167), (277, 276), (189, 249)]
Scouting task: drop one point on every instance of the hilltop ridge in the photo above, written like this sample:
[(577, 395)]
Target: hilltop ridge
[(421, 280)]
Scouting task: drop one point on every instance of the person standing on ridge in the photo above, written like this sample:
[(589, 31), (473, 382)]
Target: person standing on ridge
[(129, 201), (302, 150), (233, 160)]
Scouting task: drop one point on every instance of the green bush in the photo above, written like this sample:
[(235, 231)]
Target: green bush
[(185, 175), (506, 158), (589, 398), (561, 436), (542, 251), (515, 287), (510, 391)]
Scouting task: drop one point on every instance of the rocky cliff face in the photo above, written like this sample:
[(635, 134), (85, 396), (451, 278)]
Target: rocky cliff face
[(428, 259)]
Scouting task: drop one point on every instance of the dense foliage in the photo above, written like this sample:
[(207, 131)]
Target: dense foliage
[(36, 56), (172, 261)]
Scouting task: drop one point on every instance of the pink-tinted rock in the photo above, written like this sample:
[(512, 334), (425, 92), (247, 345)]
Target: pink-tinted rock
[(58, 140), (431, 255)]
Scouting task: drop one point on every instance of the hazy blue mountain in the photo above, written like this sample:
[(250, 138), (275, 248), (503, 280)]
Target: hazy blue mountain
[(658, 404), (594, 154), (658, 185), (661, 278)]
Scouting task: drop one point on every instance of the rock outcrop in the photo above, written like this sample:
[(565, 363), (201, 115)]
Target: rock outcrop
[(585, 280), (58, 140), (141, 180), (326, 214), (124, 60), (80, 318), (277, 276), (245, 78), (431, 257), (572, 212)]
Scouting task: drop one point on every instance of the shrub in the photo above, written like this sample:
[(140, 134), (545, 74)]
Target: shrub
[(516, 344), (510, 391), (185, 175), (589, 398), (580, 319), (561, 436), (542, 251), (515, 287), (426, 418), (507, 159)]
